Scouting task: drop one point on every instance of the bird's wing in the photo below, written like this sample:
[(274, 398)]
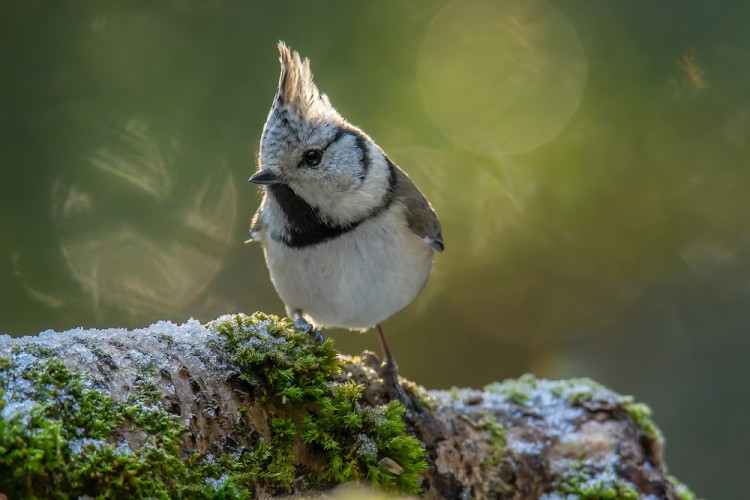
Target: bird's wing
[(256, 226), (420, 217)]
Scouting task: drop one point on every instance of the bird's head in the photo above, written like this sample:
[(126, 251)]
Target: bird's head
[(309, 148)]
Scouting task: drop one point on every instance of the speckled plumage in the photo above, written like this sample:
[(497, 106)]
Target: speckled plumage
[(349, 241)]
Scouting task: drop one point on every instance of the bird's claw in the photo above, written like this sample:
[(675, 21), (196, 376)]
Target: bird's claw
[(303, 325), (389, 373), (306, 327), (394, 390), (316, 335)]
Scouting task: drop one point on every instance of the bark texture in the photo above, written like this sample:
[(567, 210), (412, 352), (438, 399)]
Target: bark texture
[(223, 385)]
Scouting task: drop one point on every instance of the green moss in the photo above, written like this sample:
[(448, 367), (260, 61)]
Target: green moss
[(354, 438), (293, 367), (497, 437), (586, 482), (237, 476), (363, 442), (29, 448), (524, 390), (577, 391), (641, 415), (282, 468), (528, 390), (61, 436), (65, 445), (517, 391)]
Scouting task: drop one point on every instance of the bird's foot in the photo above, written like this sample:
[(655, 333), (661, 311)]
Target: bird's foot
[(389, 374), (393, 388), (302, 324)]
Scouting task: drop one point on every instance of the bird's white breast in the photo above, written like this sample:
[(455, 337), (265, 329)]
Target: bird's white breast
[(356, 280)]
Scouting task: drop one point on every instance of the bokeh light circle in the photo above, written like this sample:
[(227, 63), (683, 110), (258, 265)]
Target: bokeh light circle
[(501, 76)]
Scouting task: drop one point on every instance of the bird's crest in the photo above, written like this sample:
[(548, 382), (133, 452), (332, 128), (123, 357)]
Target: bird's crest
[(297, 91)]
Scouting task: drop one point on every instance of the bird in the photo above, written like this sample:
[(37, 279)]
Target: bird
[(348, 238)]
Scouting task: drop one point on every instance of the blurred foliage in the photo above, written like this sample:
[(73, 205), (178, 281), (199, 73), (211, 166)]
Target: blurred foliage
[(588, 161)]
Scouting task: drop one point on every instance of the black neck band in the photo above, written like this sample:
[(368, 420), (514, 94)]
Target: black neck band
[(306, 227)]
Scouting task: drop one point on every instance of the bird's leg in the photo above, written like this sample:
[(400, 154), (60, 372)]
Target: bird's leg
[(302, 324), (390, 369), (389, 372)]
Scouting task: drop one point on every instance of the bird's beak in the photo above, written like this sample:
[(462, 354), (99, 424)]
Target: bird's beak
[(265, 178)]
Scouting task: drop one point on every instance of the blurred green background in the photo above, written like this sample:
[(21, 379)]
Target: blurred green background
[(589, 161)]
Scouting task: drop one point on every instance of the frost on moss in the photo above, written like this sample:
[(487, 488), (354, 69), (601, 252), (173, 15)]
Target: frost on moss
[(293, 367), (530, 391), (518, 391), (57, 437), (586, 482), (63, 436)]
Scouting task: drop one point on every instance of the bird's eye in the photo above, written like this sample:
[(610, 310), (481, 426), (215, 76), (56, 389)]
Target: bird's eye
[(312, 157)]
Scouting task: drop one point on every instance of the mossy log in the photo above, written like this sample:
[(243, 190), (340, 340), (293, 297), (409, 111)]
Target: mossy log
[(250, 407)]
